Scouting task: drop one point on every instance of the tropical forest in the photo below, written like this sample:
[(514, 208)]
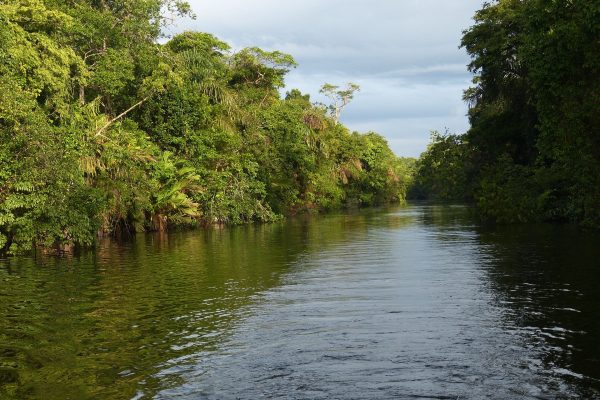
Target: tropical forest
[(185, 214), (105, 130)]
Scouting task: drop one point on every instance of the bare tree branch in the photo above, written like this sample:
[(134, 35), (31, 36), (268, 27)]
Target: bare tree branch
[(109, 123)]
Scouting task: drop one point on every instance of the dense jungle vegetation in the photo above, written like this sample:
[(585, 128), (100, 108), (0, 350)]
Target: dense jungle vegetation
[(105, 128), (533, 150)]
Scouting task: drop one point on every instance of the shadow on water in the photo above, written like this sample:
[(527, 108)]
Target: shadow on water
[(548, 279), (543, 281)]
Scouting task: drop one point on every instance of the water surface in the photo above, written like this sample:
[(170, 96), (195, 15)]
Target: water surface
[(418, 302)]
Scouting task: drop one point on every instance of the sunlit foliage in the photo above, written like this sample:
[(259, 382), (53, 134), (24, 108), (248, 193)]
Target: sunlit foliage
[(103, 130)]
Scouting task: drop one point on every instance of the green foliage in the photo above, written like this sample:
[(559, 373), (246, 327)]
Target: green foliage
[(43, 197), (258, 68), (113, 72), (443, 172), (339, 97), (532, 150), (105, 131), (203, 42), (507, 193), (175, 181)]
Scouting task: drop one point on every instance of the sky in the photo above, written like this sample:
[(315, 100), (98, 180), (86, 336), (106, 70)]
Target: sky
[(404, 54)]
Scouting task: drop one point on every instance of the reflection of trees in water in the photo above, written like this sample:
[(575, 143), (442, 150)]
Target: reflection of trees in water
[(547, 278), (109, 322), (544, 278), (134, 315)]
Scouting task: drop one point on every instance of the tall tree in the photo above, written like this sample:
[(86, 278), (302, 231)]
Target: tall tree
[(340, 98)]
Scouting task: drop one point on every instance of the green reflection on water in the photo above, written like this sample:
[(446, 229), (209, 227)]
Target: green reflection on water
[(104, 323), (128, 318)]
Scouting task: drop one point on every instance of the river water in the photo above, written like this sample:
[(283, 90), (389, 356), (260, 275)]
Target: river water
[(419, 302)]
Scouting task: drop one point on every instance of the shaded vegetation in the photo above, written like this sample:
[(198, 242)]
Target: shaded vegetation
[(532, 152)]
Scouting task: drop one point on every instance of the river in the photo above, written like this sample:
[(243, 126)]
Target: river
[(418, 302)]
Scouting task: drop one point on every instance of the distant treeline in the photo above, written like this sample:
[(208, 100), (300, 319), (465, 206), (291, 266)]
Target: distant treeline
[(533, 150), (104, 130)]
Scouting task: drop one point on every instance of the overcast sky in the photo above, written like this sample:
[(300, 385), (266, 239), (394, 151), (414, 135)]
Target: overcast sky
[(403, 53)]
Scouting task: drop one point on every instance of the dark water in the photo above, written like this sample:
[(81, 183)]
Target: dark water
[(411, 303)]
